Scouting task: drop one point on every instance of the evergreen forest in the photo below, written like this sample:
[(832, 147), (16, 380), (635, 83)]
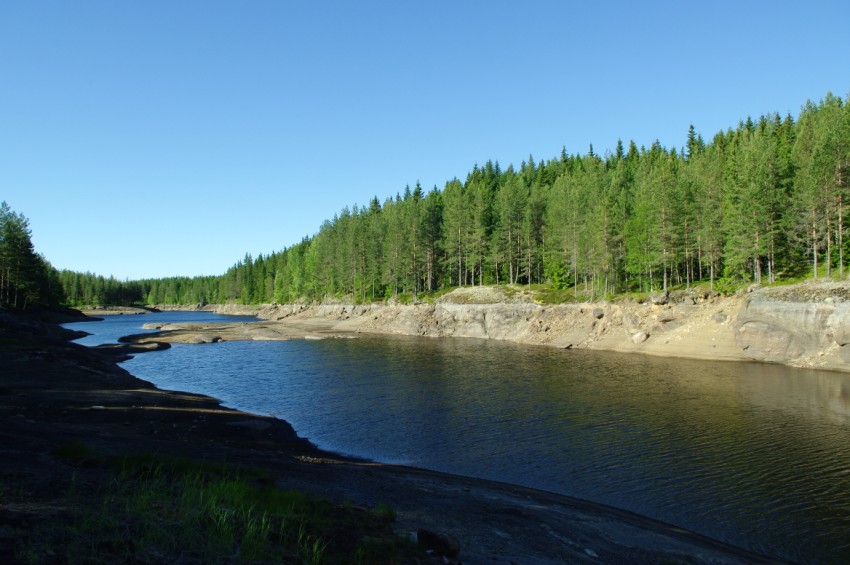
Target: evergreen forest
[(764, 202), (26, 278)]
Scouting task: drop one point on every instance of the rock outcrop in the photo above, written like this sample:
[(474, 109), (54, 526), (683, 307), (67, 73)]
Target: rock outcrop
[(805, 325), (682, 326)]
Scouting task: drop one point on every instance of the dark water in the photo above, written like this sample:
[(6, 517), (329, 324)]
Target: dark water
[(755, 455)]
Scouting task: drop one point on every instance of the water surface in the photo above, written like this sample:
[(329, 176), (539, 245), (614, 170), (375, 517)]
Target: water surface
[(755, 455), (112, 327)]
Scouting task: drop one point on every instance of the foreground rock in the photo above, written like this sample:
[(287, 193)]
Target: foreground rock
[(53, 393)]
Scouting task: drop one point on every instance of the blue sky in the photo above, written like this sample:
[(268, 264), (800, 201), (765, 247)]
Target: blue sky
[(160, 138)]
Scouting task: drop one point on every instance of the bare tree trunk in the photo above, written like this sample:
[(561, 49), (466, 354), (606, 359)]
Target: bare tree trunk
[(575, 271), (771, 267), (711, 277), (840, 234), (480, 268), (814, 245), (699, 258), (828, 246), (510, 256), (459, 265)]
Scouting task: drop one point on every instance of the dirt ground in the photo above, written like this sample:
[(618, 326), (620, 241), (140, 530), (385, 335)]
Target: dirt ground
[(53, 392)]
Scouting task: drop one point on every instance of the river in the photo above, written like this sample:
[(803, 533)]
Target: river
[(752, 454)]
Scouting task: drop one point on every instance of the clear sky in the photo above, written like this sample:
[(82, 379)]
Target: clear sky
[(159, 138)]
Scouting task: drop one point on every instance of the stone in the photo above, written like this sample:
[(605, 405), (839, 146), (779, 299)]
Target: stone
[(660, 299), (640, 337), (666, 316), (598, 313), (719, 317), (630, 322)]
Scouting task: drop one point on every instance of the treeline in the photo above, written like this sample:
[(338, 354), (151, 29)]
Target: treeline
[(759, 203), (26, 278), (764, 201), (88, 289)]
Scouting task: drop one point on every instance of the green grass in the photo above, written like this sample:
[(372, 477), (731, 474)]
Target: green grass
[(404, 298), (156, 509), (384, 513), (431, 296), (548, 295), (634, 296)]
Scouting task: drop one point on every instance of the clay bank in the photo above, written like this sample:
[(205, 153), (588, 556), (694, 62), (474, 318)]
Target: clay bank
[(805, 325)]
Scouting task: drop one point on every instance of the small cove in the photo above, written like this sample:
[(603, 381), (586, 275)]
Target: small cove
[(755, 455)]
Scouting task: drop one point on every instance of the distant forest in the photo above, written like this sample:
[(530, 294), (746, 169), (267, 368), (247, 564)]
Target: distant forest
[(763, 202)]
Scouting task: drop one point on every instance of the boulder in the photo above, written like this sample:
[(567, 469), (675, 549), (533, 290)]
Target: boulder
[(631, 322), (660, 299), (640, 337), (666, 316), (598, 313)]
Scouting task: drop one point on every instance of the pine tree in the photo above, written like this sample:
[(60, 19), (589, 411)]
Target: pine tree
[(511, 202), (24, 275), (455, 221)]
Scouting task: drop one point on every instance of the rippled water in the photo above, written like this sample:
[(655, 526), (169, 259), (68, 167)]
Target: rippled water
[(755, 455), (112, 327)]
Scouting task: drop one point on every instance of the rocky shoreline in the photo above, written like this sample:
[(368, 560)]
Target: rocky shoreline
[(804, 325), (53, 392)]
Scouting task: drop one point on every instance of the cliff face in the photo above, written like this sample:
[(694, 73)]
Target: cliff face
[(681, 326), (805, 326)]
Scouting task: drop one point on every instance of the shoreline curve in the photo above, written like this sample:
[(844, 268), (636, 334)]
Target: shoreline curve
[(55, 392)]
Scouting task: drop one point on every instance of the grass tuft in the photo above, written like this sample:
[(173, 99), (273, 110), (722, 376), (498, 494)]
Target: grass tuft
[(156, 509)]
